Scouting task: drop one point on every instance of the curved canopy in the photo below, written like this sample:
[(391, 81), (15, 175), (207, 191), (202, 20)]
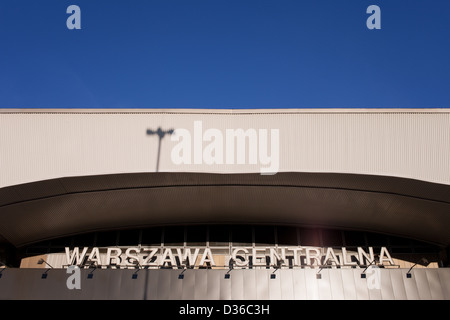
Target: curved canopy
[(60, 207)]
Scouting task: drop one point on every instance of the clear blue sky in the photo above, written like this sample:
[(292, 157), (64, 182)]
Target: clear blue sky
[(224, 54)]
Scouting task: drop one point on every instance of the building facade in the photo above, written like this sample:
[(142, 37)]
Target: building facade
[(225, 204)]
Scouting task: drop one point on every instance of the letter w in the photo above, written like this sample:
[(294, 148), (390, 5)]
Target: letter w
[(76, 255), (187, 255)]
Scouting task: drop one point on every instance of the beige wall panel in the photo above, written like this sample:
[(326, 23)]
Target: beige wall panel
[(40, 145)]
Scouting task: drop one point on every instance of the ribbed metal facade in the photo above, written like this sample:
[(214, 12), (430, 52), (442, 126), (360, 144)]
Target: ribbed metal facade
[(40, 145), (66, 145), (335, 284)]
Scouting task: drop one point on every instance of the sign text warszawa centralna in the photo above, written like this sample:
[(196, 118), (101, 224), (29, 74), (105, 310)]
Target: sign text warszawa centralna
[(239, 256)]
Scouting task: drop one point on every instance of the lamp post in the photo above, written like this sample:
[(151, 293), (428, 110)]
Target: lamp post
[(230, 268), (422, 260), (363, 274), (276, 267), (41, 261)]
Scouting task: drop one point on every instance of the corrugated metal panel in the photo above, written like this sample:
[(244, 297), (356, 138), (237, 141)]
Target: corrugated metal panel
[(287, 285), (423, 287), (176, 285), (361, 288), (207, 284), (312, 287), (128, 288), (444, 280), (375, 294), (93, 291), (274, 289), (386, 289), (163, 287), (398, 287), (189, 283), (262, 284), (40, 146), (201, 285), (240, 287), (324, 285), (348, 284), (337, 284), (152, 287), (434, 284), (248, 281), (411, 288), (225, 288), (213, 284), (299, 285)]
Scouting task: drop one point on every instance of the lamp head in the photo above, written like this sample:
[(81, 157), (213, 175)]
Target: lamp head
[(279, 263)]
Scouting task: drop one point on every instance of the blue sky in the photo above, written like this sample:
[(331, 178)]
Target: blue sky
[(225, 54)]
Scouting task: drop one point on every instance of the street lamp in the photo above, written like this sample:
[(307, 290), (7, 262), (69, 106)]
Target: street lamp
[(231, 266), (41, 261), (423, 261), (363, 274), (277, 266)]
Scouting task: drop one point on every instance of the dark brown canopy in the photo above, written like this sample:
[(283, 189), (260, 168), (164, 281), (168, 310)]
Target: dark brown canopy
[(55, 208)]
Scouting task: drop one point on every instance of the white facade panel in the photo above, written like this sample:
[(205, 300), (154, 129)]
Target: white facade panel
[(239, 284), (118, 284), (262, 284), (299, 284), (361, 288), (225, 288), (337, 285), (398, 286), (435, 284), (348, 283), (213, 285), (41, 145), (444, 277), (274, 288), (386, 285), (176, 287), (287, 285), (324, 285)]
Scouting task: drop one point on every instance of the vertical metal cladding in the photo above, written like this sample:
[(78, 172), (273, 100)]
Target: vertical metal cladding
[(40, 145), (335, 284)]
